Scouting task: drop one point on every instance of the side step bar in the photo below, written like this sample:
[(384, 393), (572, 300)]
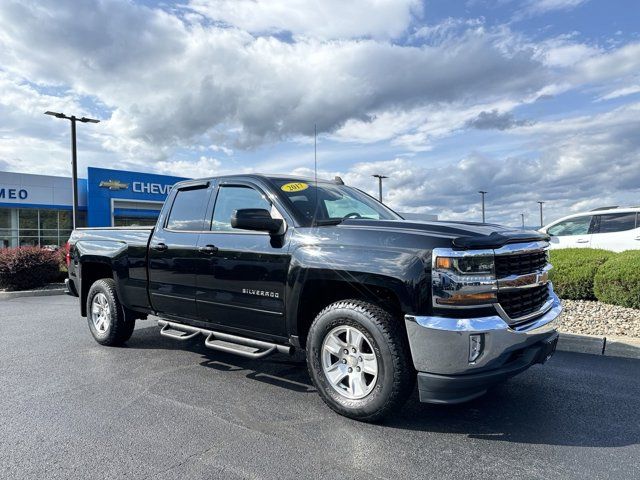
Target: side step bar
[(224, 342)]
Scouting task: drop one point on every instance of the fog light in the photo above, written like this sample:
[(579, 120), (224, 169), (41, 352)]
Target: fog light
[(476, 345)]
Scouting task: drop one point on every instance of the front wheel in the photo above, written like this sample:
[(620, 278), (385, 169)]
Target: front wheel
[(359, 360), (107, 320)]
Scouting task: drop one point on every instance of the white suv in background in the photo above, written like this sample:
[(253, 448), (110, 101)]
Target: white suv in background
[(609, 228)]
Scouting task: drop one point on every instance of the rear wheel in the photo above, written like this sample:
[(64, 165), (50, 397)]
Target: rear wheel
[(359, 360), (106, 316)]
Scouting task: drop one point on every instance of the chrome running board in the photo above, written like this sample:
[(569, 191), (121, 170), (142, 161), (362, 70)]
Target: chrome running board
[(223, 342)]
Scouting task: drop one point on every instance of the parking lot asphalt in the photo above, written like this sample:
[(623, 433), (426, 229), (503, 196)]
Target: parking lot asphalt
[(157, 408)]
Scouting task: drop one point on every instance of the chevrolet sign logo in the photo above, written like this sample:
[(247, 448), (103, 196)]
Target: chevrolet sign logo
[(114, 185)]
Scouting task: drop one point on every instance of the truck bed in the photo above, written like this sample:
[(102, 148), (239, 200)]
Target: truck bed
[(125, 248)]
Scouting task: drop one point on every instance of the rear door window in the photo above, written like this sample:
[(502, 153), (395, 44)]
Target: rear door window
[(188, 209), (572, 226), (617, 222)]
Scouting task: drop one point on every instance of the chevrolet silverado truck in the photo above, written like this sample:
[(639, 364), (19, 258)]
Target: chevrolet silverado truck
[(258, 265)]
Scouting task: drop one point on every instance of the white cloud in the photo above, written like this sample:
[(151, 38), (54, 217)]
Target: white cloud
[(621, 92), (203, 167), (590, 158), (327, 19), (566, 54), (168, 81), (539, 7), (611, 64)]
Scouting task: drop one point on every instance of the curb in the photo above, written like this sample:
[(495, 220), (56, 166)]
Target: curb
[(625, 347), (32, 293)]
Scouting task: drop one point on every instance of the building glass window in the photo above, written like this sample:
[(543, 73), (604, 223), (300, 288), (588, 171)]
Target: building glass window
[(8, 236), (65, 219), (82, 219), (28, 223), (122, 221), (33, 227), (5, 218)]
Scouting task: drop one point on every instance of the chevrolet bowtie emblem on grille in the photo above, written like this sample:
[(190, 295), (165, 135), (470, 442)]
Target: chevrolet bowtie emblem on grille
[(114, 185)]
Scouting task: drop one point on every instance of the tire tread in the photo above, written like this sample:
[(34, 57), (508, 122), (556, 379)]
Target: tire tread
[(121, 326), (391, 328)]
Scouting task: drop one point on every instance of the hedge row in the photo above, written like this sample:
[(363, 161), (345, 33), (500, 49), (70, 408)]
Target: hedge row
[(25, 268), (618, 280), (589, 274)]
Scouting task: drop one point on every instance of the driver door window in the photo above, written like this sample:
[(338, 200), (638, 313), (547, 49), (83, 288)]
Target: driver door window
[(231, 198)]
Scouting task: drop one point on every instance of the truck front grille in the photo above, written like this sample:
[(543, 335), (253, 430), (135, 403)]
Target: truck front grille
[(520, 263), (524, 301)]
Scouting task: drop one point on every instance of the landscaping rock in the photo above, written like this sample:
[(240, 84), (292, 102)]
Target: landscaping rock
[(597, 318)]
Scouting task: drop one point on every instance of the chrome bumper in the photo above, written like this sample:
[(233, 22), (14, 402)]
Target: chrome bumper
[(441, 344)]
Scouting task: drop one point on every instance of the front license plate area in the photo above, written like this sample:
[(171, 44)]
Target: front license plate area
[(548, 349)]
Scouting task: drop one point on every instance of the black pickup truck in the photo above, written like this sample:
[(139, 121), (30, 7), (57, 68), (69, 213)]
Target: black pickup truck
[(264, 264)]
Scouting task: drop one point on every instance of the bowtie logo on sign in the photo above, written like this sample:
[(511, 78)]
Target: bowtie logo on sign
[(113, 185)]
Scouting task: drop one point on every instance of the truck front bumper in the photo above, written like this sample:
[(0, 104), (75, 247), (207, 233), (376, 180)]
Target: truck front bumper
[(440, 348)]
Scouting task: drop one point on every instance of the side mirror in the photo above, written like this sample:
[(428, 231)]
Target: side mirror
[(257, 219)]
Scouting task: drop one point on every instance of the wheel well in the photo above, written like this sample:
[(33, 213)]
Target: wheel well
[(92, 271), (317, 294)]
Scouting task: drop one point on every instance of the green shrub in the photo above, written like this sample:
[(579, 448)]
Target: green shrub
[(618, 280), (24, 268), (574, 270)]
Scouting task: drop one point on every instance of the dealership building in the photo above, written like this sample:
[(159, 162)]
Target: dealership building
[(36, 209)]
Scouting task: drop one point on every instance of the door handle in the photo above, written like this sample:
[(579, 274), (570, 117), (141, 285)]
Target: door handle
[(582, 241), (637, 238), (208, 249), (161, 247)]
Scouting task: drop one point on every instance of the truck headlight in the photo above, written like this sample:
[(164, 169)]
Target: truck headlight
[(463, 280), (466, 265)]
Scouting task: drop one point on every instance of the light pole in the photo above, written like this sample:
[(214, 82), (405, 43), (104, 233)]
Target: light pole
[(522, 215), (483, 193), (74, 156), (541, 220), (379, 177)]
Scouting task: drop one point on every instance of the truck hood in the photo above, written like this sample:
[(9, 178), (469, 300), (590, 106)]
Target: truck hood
[(463, 235)]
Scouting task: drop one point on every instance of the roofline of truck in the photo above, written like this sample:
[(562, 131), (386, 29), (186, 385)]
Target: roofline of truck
[(257, 176)]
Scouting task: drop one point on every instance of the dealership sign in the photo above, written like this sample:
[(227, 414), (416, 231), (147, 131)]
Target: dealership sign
[(138, 187), (148, 187), (13, 193)]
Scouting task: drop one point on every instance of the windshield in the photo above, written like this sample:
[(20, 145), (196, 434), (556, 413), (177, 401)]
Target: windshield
[(330, 204)]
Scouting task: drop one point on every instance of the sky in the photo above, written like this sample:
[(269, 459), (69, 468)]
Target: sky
[(528, 100)]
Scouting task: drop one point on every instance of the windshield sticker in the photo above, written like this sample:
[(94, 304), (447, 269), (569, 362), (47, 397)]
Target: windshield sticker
[(294, 187)]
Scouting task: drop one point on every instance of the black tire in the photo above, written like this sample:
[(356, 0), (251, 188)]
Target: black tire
[(396, 375), (119, 327)]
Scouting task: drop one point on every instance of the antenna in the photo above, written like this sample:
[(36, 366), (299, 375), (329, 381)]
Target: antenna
[(315, 168), (315, 153)]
